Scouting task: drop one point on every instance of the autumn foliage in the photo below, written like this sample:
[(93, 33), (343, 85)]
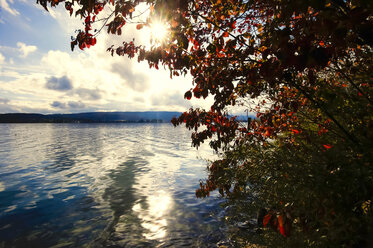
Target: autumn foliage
[(307, 157)]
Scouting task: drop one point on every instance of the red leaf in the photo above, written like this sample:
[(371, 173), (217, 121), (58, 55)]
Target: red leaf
[(139, 26), (327, 146), (67, 5), (267, 133), (188, 95), (266, 219), (281, 225)]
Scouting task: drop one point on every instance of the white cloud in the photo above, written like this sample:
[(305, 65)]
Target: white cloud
[(135, 80), (89, 94), (89, 79), (2, 59), (4, 101), (25, 50), (4, 5), (169, 99), (96, 80)]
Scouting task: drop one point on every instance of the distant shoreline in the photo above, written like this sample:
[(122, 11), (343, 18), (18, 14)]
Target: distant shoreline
[(96, 117), (88, 122), (91, 117)]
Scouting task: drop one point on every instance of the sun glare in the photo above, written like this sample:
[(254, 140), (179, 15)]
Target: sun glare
[(158, 31)]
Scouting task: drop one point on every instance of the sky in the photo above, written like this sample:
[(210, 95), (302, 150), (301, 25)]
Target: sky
[(40, 74)]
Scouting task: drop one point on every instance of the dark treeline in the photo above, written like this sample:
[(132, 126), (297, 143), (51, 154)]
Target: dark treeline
[(92, 117)]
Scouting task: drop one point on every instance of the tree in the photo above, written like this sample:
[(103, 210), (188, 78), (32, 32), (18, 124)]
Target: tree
[(307, 158)]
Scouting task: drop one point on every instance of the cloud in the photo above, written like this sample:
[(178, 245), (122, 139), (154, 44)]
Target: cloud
[(47, 80), (169, 99), (4, 5), (24, 49), (4, 108), (2, 58), (57, 104), (138, 99), (88, 94), (60, 84), (76, 105), (70, 105), (4, 101), (134, 80)]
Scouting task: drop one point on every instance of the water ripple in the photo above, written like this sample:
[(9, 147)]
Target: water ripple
[(120, 185)]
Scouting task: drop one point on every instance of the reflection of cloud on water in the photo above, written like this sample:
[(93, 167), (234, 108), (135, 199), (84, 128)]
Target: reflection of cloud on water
[(173, 159), (2, 187), (124, 230), (153, 219)]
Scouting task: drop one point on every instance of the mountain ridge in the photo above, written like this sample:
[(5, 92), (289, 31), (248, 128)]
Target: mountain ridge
[(91, 117)]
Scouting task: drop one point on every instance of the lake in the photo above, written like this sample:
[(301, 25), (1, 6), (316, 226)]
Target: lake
[(104, 185)]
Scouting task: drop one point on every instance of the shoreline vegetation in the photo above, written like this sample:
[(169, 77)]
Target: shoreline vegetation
[(91, 117)]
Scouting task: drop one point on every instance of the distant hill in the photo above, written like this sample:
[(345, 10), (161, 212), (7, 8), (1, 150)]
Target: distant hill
[(92, 117)]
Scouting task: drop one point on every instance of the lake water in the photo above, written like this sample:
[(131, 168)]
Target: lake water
[(104, 185)]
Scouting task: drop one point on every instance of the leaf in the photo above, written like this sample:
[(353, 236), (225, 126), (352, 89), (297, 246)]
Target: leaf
[(266, 219), (174, 23), (188, 95), (295, 131), (327, 146), (281, 225), (139, 26), (72, 44)]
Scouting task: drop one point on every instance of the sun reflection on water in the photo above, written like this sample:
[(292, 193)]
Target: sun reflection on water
[(127, 185), (154, 218)]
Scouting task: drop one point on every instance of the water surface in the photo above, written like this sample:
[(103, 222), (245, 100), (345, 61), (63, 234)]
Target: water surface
[(103, 185)]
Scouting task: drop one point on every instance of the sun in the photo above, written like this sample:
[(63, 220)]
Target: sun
[(158, 31)]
